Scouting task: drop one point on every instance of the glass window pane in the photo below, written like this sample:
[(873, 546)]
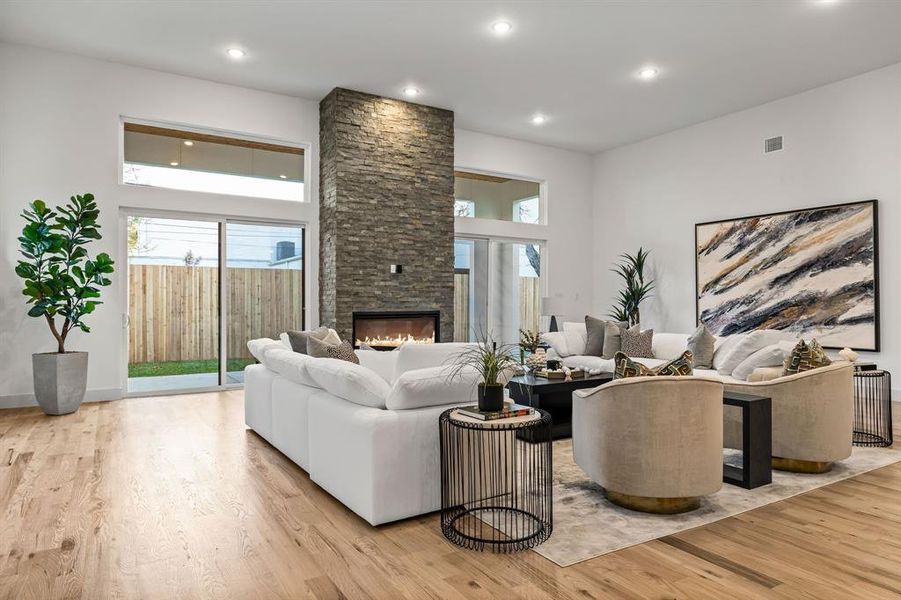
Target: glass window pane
[(161, 157), (498, 198), (265, 287), (173, 304), (515, 286)]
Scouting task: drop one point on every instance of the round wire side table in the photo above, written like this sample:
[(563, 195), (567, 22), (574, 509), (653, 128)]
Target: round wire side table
[(872, 408), (496, 481)]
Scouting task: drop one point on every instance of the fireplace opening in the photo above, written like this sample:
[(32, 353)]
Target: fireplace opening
[(386, 330)]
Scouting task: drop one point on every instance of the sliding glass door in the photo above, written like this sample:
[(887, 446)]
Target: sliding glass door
[(497, 288), (198, 290)]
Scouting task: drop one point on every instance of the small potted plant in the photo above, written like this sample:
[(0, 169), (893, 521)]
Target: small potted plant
[(491, 360), (62, 284), (528, 342)]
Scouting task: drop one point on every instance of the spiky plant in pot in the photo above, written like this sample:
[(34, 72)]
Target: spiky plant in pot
[(491, 361), (635, 288)]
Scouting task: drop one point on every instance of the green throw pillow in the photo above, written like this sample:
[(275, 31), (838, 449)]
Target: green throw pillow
[(805, 357)]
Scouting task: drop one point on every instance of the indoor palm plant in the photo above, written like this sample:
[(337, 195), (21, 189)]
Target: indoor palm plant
[(635, 287), (490, 360), (62, 284)]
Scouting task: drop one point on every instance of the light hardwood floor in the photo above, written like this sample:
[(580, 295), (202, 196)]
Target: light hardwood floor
[(173, 498)]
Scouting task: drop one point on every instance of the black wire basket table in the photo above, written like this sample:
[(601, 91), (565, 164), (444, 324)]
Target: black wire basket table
[(872, 408), (496, 481)]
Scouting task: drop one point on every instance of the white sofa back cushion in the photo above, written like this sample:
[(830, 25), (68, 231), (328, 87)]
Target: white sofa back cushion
[(433, 386), (747, 345), (557, 341), (381, 362), (576, 337), (667, 346), (289, 364), (769, 356), (259, 346), (420, 356), (349, 381)]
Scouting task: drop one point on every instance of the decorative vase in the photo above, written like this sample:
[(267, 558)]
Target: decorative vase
[(491, 397), (849, 355), (60, 381), (536, 361)]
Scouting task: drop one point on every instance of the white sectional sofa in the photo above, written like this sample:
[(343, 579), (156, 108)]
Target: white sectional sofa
[(368, 433), (568, 345)]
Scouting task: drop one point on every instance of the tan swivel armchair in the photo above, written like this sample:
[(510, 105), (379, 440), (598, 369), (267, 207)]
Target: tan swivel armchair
[(655, 444), (813, 414)]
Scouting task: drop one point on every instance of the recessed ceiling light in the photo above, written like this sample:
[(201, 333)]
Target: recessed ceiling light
[(236, 53), (501, 27), (283, 176), (189, 143), (411, 91), (648, 72), (174, 163), (538, 119)]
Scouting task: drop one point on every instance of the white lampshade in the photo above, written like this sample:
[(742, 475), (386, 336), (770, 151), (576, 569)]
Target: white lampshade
[(553, 305)]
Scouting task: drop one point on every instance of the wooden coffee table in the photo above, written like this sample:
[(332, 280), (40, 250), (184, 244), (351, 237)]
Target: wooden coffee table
[(554, 396)]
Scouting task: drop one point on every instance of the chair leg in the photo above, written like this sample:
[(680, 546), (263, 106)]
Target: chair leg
[(795, 465), (660, 506)]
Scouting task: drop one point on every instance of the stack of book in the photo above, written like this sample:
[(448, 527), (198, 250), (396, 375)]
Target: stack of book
[(510, 410)]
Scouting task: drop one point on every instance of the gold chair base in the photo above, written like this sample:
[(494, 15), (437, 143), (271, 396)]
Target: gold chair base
[(795, 465), (660, 506)]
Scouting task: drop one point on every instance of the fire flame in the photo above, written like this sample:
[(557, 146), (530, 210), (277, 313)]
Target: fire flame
[(393, 342)]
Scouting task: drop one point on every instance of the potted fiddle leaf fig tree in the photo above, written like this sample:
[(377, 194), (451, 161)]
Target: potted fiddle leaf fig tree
[(62, 284)]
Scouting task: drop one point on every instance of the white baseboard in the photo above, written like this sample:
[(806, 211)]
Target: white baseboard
[(21, 400)]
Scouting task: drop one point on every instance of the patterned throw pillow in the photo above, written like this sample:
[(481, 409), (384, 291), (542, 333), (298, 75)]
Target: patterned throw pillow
[(637, 343), (341, 351), (626, 367), (805, 357)]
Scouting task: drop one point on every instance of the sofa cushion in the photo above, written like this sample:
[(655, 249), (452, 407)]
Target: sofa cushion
[(637, 343), (589, 363), (259, 346), (420, 356), (576, 337), (289, 364), (349, 381), (433, 386), (770, 356), (381, 362), (723, 346), (557, 341), (748, 345), (702, 345), (669, 345), (805, 357)]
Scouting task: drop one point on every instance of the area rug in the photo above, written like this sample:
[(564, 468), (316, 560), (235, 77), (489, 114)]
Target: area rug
[(586, 525)]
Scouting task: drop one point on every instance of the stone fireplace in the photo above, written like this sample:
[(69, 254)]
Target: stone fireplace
[(386, 211), (386, 330)]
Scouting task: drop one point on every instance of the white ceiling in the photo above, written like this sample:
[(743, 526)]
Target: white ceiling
[(576, 62)]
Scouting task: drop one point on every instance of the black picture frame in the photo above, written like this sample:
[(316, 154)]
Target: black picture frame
[(876, 301)]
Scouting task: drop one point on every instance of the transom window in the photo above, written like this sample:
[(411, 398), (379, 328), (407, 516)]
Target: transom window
[(494, 197)]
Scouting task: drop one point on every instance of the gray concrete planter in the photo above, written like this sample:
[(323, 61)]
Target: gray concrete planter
[(60, 381)]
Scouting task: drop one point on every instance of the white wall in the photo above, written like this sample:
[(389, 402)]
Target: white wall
[(59, 135), (842, 144), (567, 188)]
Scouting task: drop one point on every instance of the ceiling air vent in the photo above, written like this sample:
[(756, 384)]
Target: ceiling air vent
[(772, 144)]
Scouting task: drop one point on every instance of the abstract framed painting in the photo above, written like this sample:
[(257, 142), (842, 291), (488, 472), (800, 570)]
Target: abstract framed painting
[(813, 272)]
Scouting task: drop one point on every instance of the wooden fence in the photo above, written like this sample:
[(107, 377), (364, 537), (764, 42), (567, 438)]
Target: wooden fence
[(529, 304), (174, 310)]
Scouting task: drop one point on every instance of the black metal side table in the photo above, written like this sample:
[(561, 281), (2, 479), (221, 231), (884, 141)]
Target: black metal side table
[(496, 487), (872, 408)]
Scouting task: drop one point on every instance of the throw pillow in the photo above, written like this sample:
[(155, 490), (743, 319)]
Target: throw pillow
[(323, 349), (594, 344), (298, 339), (748, 345), (626, 367), (612, 339), (637, 343), (805, 357), (681, 366), (771, 356), (702, 344)]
